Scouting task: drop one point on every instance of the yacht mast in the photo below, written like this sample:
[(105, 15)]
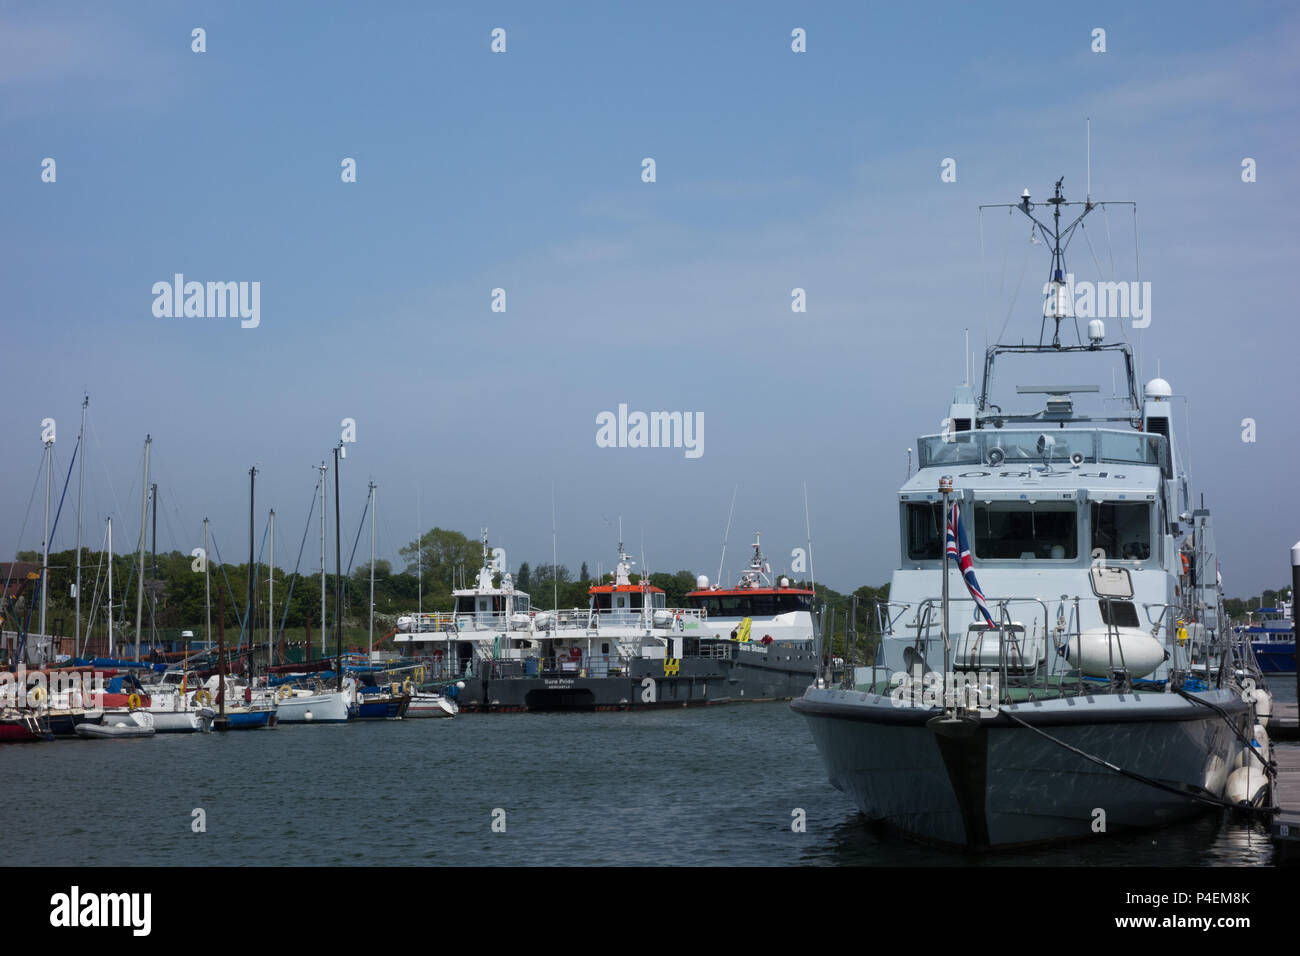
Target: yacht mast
[(144, 515), (207, 589), (81, 480), (248, 614), (153, 581), (110, 587), (419, 563), (338, 578), (45, 554), (270, 594), (323, 647), (370, 656)]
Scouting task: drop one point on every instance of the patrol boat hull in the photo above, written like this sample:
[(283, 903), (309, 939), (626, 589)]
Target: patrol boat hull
[(1008, 785)]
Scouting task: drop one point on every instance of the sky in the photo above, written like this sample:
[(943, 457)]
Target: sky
[(522, 170)]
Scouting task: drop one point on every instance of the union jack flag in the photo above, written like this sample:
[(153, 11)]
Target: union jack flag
[(960, 550)]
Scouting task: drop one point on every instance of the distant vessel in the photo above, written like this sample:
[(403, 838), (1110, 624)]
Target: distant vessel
[(488, 623), (627, 650), (1058, 693), (1271, 633), (772, 625)]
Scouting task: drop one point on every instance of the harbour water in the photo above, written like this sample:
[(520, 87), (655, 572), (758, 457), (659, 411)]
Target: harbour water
[(710, 786)]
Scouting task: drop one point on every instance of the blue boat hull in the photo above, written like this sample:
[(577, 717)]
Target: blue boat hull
[(249, 721), (386, 708), (1275, 657)]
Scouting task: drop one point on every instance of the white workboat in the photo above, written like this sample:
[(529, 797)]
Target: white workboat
[(488, 624)]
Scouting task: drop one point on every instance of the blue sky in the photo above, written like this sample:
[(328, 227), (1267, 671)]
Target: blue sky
[(522, 171)]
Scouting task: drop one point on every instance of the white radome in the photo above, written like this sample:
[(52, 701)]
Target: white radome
[(1158, 389)]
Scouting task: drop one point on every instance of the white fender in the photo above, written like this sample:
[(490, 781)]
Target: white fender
[(1263, 706), (1246, 783), (1133, 649)]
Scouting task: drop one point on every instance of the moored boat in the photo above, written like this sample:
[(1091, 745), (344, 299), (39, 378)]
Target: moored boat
[(122, 725), (23, 727), (1058, 700)]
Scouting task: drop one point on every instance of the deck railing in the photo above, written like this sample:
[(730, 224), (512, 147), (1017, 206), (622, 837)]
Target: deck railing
[(1028, 650)]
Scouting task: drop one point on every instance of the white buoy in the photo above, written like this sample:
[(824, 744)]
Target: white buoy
[(307, 716), (1245, 784), (1263, 706)]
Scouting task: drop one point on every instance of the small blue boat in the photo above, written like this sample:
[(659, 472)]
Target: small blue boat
[(248, 719), (377, 703)]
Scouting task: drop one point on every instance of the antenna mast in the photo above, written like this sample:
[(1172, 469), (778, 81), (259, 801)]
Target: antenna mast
[(726, 534)]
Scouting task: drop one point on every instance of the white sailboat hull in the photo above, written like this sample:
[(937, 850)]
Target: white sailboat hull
[(327, 708), (431, 705)]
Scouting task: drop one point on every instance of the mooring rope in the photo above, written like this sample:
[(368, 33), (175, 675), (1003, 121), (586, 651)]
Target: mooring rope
[(1134, 775)]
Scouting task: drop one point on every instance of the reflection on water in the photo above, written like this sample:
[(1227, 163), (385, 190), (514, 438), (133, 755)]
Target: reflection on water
[(717, 786), (1216, 839)]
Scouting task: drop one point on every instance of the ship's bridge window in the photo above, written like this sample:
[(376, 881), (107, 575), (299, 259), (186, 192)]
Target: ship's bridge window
[(751, 605), (1015, 530), (925, 530), (1122, 529), (1136, 448)]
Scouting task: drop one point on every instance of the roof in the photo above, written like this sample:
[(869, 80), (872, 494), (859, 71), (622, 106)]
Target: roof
[(623, 589), (16, 572), (738, 592)]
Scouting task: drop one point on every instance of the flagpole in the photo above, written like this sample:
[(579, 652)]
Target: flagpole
[(950, 528)]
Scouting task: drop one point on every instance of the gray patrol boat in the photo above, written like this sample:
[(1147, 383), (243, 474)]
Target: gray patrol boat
[(1055, 591)]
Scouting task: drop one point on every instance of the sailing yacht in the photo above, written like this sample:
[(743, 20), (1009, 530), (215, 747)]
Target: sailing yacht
[(1034, 680)]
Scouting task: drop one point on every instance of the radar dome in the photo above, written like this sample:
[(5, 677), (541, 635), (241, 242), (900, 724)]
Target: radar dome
[(702, 582), (1158, 389)]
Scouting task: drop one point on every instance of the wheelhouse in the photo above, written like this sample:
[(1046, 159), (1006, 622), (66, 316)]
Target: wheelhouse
[(750, 602), (626, 597)]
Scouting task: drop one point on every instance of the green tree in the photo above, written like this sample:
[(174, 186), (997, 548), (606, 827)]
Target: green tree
[(443, 552)]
